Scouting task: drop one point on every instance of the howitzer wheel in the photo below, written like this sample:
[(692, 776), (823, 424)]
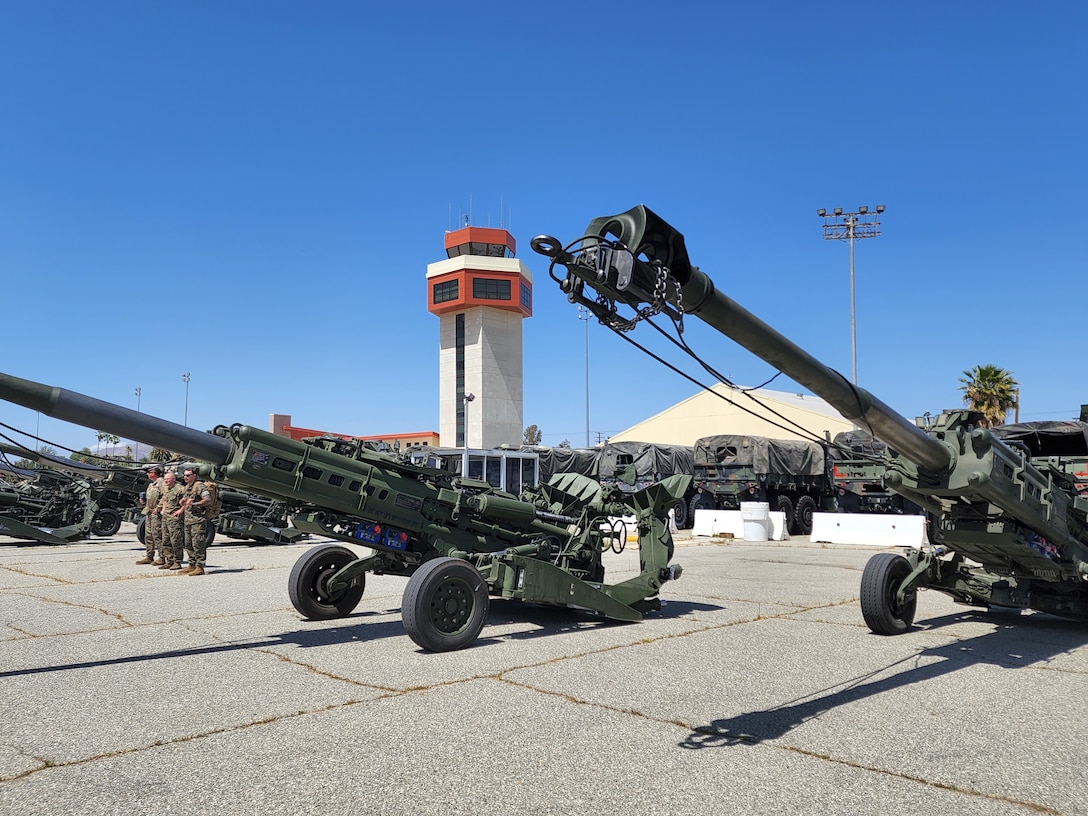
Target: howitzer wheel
[(445, 605), (308, 584), (879, 586), (106, 522), (141, 529)]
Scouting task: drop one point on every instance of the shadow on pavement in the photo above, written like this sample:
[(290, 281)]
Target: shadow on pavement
[(1032, 639)]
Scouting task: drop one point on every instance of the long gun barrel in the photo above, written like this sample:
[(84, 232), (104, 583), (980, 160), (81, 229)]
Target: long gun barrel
[(80, 409), (624, 257), (999, 506)]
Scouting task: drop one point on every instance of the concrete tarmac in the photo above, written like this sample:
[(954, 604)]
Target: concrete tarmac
[(757, 689)]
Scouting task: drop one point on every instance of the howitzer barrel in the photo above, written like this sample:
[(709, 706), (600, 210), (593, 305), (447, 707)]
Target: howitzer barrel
[(70, 465), (105, 416), (620, 273)]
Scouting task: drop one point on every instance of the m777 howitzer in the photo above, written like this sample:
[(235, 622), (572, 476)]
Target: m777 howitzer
[(63, 500), (1009, 529), (458, 541)]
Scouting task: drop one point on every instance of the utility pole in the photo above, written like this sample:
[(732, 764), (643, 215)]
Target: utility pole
[(185, 379), (840, 226), (583, 314), (464, 456)]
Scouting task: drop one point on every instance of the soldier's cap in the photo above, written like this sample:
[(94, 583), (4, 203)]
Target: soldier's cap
[(154, 469)]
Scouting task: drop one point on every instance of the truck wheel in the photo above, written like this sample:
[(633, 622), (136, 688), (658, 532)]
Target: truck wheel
[(700, 501), (802, 514), (880, 582), (784, 505), (445, 605), (209, 533), (106, 522), (141, 529), (681, 515), (308, 585)]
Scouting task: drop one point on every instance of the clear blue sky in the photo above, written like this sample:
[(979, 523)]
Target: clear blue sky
[(251, 192)]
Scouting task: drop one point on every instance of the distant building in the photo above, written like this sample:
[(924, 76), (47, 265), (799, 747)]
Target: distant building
[(280, 424), (481, 293), (772, 414)]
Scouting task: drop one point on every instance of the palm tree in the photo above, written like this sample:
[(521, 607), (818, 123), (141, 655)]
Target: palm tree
[(991, 391)]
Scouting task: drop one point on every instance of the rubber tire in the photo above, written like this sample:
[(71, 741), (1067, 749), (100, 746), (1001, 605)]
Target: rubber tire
[(141, 529), (699, 501), (106, 522), (802, 515), (425, 608), (879, 583), (784, 505), (682, 515), (210, 534), (305, 585)]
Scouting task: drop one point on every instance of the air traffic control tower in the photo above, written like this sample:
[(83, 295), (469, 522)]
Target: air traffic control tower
[(481, 293)]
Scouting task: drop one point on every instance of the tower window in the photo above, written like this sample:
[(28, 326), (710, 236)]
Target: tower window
[(526, 296), (447, 290), (490, 289)]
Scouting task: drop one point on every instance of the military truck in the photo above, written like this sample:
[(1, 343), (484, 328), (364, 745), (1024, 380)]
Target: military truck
[(794, 476)]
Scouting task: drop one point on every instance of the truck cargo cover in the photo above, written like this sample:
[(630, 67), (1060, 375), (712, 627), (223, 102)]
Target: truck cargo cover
[(762, 455)]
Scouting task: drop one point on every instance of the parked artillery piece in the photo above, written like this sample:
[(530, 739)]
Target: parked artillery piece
[(458, 541), (1009, 529), (252, 517), (64, 500)]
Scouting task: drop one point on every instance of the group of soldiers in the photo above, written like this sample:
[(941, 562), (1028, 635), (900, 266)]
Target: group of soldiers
[(176, 521)]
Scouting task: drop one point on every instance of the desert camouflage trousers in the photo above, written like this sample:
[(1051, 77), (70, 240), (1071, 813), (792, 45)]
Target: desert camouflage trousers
[(173, 539), (196, 542), (153, 536)]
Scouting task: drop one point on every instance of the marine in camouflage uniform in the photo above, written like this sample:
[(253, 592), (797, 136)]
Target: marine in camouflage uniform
[(173, 526), (153, 520), (196, 501)]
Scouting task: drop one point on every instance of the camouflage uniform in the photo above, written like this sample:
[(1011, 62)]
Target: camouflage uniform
[(173, 526), (196, 525), (153, 522)]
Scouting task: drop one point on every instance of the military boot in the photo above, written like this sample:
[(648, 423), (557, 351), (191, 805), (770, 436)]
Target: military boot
[(145, 560), (197, 570), (158, 562)]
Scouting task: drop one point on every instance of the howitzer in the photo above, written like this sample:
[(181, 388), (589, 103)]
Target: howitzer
[(1008, 529), (458, 541), (114, 491), (257, 518)]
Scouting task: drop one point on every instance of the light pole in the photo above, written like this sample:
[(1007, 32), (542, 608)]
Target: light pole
[(185, 379), (139, 391), (840, 226), (583, 314), (464, 456)]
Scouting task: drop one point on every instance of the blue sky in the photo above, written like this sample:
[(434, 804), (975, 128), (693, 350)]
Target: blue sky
[(251, 192)]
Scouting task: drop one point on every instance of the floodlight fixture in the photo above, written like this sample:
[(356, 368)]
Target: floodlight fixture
[(848, 226)]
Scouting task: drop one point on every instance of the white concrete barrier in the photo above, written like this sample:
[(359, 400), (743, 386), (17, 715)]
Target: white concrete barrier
[(717, 522), (877, 529)]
